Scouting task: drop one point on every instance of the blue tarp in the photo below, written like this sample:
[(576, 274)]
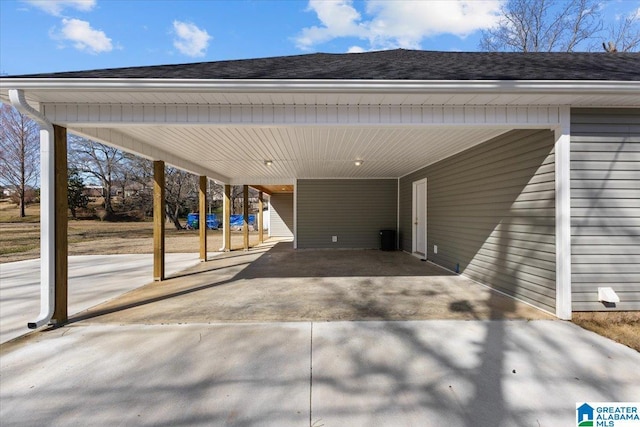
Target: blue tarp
[(193, 221), (236, 220), (213, 222)]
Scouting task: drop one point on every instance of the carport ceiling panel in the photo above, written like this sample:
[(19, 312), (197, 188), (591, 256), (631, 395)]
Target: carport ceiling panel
[(312, 152)]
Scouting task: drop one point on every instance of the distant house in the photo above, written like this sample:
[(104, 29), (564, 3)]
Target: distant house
[(7, 191), (93, 191)]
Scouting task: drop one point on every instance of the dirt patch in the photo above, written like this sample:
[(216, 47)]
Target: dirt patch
[(620, 326)]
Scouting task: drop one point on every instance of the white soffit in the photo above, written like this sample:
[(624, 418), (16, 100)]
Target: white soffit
[(312, 152)]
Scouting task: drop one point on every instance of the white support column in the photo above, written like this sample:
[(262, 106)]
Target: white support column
[(295, 215), (563, 214), (226, 223)]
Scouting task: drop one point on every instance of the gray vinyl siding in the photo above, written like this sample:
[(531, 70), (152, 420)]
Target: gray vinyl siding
[(355, 210), (491, 210), (281, 215), (605, 207)]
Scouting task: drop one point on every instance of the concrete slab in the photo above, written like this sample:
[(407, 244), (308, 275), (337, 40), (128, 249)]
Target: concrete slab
[(417, 373), (464, 373), (282, 284), (178, 375), (93, 279)]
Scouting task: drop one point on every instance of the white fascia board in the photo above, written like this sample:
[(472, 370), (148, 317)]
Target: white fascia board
[(325, 86), (508, 117)]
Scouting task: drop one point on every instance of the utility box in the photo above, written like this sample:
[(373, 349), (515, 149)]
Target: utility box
[(388, 240)]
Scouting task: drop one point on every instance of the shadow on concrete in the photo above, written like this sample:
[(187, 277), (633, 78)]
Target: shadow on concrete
[(276, 283)]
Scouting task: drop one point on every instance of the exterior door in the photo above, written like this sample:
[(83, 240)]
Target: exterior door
[(420, 217)]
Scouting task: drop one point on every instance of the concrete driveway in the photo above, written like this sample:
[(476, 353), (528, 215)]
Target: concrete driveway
[(408, 373), (93, 279), (173, 354)]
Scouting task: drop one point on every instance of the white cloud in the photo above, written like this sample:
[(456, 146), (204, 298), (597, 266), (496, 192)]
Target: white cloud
[(398, 23), (339, 19), (190, 40), (55, 7), (355, 49), (84, 37)]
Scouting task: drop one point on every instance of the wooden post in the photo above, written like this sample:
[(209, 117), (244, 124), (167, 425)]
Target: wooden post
[(245, 216), (61, 219), (158, 220), (260, 217), (226, 220), (203, 218)]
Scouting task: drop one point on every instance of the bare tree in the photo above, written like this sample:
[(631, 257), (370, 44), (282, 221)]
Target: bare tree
[(19, 152), (214, 194), (104, 163), (624, 34), (181, 194), (544, 26), (139, 171)]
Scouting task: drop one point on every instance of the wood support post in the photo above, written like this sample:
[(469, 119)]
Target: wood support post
[(203, 217), (61, 219), (260, 217), (245, 216), (226, 219), (158, 220)]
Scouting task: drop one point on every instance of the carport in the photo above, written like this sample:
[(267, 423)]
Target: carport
[(402, 140)]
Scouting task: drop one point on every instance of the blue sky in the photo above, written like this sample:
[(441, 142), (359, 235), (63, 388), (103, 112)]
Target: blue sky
[(61, 35)]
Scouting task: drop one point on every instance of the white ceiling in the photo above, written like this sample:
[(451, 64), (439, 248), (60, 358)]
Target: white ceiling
[(312, 152)]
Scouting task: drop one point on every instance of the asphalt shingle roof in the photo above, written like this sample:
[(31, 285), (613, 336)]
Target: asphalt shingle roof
[(397, 64)]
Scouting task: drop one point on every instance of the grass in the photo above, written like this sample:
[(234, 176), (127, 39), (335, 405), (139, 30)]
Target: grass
[(10, 213), (620, 326)]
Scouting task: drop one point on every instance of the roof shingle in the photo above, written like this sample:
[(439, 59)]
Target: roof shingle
[(399, 64)]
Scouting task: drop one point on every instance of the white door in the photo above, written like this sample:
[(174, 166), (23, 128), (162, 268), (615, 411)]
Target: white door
[(420, 217)]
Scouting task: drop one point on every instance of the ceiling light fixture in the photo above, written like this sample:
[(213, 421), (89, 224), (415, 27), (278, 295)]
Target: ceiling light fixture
[(358, 162), (268, 162)]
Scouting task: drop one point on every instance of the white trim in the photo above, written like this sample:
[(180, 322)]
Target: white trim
[(563, 214), (123, 114), (398, 215), (414, 243), (335, 86), (295, 215)]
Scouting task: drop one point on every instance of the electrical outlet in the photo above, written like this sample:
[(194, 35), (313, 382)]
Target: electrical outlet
[(435, 249), (334, 239)]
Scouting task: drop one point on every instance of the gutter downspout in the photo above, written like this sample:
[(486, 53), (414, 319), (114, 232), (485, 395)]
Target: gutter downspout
[(47, 208)]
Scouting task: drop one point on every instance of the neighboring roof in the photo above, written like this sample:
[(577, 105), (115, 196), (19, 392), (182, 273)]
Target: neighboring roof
[(399, 64)]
